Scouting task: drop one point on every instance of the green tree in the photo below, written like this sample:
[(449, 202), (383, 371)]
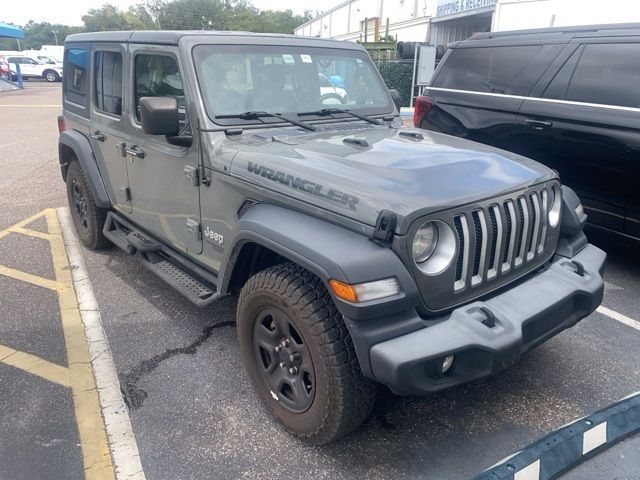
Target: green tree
[(107, 17), (191, 15)]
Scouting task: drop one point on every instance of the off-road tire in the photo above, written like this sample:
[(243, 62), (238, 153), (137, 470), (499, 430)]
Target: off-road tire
[(90, 235), (343, 397)]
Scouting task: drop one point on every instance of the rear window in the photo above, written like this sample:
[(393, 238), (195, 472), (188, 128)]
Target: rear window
[(75, 75), (608, 74), (488, 69)]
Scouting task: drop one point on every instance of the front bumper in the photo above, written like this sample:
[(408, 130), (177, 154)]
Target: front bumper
[(526, 315)]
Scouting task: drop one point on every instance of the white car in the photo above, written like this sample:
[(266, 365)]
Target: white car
[(32, 68)]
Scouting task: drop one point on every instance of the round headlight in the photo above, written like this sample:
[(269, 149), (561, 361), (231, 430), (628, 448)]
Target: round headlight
[(555, 205), (434, 246), (424, 242)]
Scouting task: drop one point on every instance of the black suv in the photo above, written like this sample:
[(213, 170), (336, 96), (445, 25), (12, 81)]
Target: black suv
[(567, 97)]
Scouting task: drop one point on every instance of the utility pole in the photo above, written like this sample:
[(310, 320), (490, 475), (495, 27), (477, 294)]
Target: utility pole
[(55, 34)]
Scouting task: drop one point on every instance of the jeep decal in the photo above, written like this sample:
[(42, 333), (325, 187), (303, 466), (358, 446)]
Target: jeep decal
[(304, 185)]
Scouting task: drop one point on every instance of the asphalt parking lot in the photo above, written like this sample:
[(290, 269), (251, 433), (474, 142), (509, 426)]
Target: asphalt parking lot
[(190, 404)]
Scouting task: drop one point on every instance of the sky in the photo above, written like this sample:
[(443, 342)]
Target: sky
[(69, 12)]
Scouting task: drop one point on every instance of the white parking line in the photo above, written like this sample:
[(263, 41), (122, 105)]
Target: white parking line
[(630, 322), (124, 449)]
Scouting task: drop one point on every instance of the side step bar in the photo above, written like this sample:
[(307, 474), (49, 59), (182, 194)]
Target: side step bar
[(186, 277)]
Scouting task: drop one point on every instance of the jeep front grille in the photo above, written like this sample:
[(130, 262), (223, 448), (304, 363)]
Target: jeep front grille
[(500, 237)]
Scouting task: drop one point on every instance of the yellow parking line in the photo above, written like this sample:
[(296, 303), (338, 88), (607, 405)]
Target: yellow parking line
[(79, 373), (31, 233), (35, 365), (93, 437), (54, 285), (22, 223)]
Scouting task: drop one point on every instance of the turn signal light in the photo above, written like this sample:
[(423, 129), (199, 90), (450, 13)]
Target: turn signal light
[(343, 291), (363, 292)]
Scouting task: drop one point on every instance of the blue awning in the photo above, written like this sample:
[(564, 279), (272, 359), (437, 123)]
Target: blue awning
[(10, 31)]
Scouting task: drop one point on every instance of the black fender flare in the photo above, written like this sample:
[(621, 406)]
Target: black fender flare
[(81, 147), (326, 250)]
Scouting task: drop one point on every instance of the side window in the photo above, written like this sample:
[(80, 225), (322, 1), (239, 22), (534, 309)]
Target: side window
[(487, 69), (75, 75), (607, 74), (108, 82), (159, 76)]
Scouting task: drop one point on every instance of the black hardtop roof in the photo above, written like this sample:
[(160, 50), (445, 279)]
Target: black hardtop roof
[(172, 37), (551, 35)]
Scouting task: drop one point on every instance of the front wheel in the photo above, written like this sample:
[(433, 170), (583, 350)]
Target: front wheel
[(51, 76), (299, 355)]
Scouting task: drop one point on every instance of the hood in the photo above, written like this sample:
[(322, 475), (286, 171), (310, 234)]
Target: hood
[(359, 170)]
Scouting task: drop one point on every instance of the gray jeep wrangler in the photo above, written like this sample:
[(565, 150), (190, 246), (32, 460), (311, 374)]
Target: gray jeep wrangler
[(362, 252)]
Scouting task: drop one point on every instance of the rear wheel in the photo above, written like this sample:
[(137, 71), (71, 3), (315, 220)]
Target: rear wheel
[(299, 355), (51, 76), (88, 218)]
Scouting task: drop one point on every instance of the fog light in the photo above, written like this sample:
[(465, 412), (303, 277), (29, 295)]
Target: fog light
[(447, 363)]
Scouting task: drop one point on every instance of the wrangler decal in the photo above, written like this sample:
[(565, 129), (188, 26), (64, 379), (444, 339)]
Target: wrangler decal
[(305, 185)]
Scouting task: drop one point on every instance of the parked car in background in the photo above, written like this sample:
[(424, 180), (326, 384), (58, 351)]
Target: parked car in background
[(32, 68), (567, 97), (46, 59), (4, 68)]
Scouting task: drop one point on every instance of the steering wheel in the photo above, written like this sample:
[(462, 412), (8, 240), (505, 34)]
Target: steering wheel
[(327, 96)]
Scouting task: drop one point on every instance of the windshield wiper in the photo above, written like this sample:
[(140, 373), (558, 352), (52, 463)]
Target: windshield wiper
[(255, 115), (331, 111)]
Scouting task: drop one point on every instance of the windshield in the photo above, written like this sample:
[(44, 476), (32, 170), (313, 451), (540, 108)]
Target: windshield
[(293, 80)]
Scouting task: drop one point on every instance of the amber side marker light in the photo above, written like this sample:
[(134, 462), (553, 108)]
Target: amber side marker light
[(363, 292)]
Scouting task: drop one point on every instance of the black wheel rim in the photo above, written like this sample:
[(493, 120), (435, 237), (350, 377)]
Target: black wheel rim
[(79, 207), (283, 359)]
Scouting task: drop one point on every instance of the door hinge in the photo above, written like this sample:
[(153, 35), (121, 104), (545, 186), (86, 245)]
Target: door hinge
[(126, 192), (193, 226), (120, 148), (196, 175), (191, 174)]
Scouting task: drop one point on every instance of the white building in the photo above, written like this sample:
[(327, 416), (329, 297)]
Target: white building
[(408, 20), (443, 21)]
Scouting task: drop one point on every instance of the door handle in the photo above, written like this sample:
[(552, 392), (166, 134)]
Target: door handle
[(538, 124), (134, 151), (98, 136)]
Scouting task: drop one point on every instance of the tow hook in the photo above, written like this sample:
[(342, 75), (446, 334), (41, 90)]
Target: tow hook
[(490, 320), (579, 267)]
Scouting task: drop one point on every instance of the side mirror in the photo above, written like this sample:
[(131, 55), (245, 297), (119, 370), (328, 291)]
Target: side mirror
[(397, 99), (159, 116)]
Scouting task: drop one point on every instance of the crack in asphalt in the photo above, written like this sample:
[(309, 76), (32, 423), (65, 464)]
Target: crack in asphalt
[(134, 396)]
